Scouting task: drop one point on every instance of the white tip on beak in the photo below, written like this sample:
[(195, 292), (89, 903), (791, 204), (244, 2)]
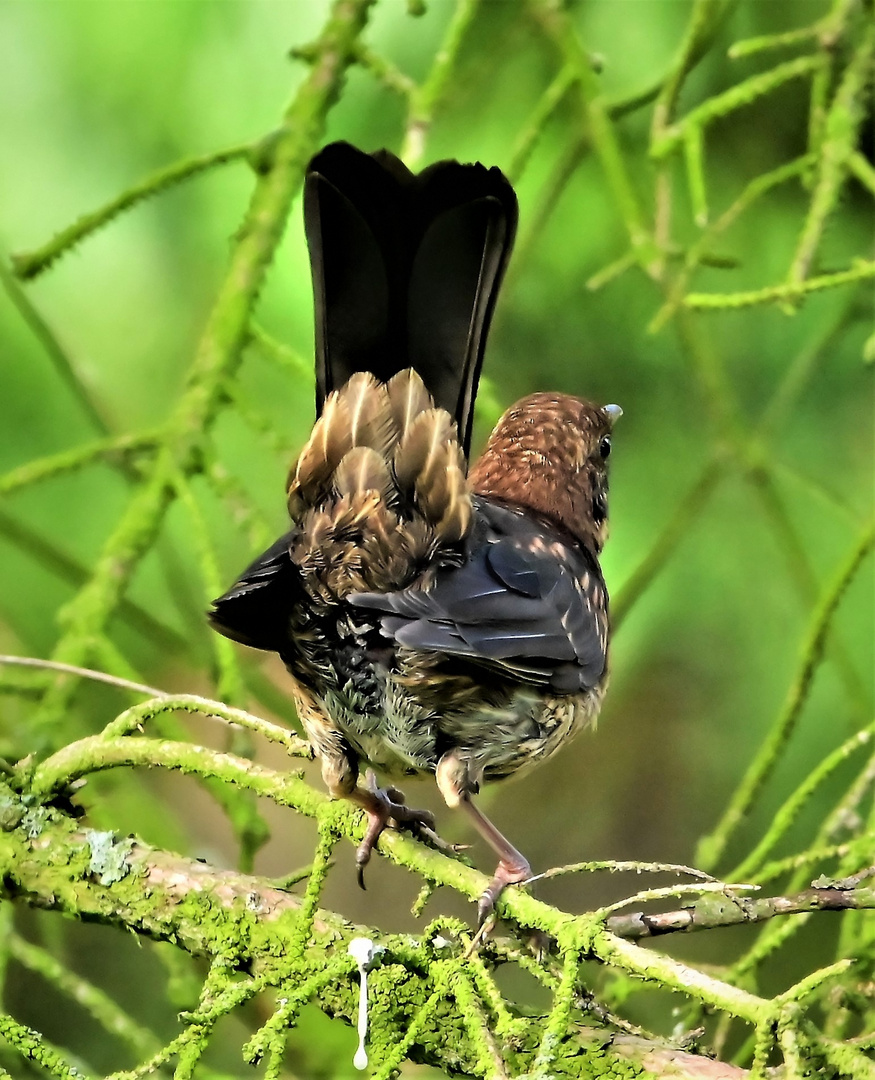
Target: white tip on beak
[(614, 413)]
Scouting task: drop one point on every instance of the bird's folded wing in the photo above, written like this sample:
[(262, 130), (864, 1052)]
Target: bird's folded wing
[(531, 604), (255, 611)]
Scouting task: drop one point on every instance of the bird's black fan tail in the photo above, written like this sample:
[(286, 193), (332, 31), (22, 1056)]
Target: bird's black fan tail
[(406, 270)]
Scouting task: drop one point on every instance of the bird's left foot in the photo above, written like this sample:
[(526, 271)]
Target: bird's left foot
[(510, 871), (513, 868), (385, 807)]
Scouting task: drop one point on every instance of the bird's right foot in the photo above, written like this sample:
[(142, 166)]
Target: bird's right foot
[(385, 807)]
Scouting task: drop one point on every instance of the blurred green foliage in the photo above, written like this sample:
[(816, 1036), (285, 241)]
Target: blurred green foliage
[(94, 96)]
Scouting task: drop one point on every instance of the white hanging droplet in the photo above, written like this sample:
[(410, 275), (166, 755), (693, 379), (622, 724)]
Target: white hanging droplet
[(363, 951)]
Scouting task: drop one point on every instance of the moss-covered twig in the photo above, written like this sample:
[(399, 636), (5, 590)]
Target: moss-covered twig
[(599, 126), (711, 848), (789, 811), (840, 132), (737, 97), (862, 270), (424, 99), (98, 1004), (32, 1046), (667, 543), (711, 912), (116, 448), (30, 264), (61, 361)]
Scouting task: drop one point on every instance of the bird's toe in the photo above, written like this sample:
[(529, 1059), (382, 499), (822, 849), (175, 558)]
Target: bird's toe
[(508, 872)]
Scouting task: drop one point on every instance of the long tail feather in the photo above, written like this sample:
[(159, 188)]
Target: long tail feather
[(406, 270)]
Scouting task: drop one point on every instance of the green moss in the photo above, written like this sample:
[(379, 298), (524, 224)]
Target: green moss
[(424, 1004)]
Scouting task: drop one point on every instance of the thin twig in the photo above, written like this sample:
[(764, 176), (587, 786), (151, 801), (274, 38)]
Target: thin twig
[(82, 673), (711, 848), (30, 264)]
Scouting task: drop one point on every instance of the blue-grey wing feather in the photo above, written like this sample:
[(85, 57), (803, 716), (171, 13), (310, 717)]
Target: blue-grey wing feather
[(526, 599)]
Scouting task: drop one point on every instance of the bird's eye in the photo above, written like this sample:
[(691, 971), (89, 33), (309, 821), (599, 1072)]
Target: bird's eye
[(605, 446)]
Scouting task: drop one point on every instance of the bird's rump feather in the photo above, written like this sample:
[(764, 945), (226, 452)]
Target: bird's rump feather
[(378, 491)]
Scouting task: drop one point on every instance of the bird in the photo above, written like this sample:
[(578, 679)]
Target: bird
[(433, 618)]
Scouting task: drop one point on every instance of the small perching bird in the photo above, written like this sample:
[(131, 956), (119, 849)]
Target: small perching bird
[(433, 619)]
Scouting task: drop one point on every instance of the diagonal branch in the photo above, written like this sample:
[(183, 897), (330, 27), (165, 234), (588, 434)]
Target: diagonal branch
[(49, 861), (28, 265)]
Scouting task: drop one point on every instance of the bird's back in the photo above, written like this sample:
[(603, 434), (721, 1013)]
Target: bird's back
[(418, 614)]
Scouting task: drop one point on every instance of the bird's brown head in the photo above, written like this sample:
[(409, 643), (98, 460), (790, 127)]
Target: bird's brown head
[(549, 453)]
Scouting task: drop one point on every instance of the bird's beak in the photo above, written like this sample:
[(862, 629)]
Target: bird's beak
[(613, 412)]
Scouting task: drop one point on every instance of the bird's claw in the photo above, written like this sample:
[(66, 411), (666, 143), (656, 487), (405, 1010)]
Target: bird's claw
[(508, 872), (386, 808)]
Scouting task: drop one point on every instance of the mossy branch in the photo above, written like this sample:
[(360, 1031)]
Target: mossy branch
[(280, 940), (710, 912), (52, 862)]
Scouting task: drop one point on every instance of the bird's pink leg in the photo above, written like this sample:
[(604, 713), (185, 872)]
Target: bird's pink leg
[(513, 867), (457, 786)]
